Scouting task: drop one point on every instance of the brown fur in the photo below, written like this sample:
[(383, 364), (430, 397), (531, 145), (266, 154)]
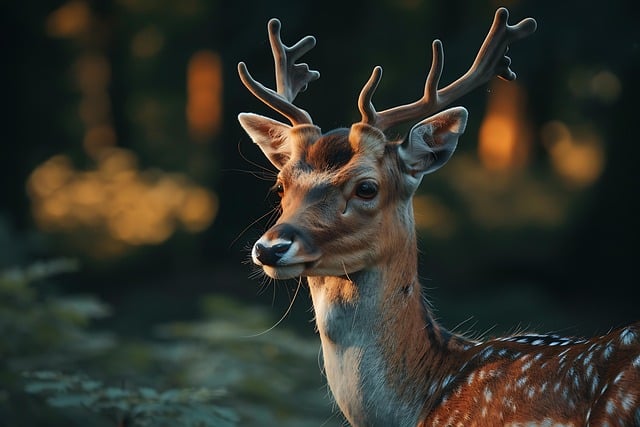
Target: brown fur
[(457, 381), (387, 361), (330, 152)]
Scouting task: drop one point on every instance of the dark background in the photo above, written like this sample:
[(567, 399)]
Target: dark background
[(540, 235)]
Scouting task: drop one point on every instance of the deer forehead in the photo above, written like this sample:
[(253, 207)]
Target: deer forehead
[(330, 152), (337, 146), (335, 158)]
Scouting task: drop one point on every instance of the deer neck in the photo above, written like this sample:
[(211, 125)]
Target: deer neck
[(382, 349)]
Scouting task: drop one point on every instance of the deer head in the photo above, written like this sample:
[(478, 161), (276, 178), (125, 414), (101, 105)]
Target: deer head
[(346, 194), (347, 224)]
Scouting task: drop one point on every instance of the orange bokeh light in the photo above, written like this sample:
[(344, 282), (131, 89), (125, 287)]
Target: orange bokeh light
[(505, 137), (117, 201), (204, 94)]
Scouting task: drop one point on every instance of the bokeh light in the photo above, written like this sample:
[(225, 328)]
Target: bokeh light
[(505, 136), (204, 95), (576, 156), (118, 201)]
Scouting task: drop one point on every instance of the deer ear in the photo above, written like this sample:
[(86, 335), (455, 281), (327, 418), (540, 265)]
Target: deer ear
[(432, 142), (270, 135)]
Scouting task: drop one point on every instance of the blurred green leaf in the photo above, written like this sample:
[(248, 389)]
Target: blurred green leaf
[(70, 400), (226, 367), (146, 406), (81, 307)]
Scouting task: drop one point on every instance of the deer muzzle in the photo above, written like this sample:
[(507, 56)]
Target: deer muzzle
[(284, 252)]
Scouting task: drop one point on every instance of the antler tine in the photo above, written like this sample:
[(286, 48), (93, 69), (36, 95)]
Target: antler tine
[(273, 99), (368, 111), (388, 118), (490, 61), (291, 78)]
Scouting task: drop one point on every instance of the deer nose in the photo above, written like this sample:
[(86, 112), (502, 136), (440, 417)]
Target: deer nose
[(270, 254)]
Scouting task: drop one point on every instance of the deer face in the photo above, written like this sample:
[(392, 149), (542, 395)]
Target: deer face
[(345, 195)]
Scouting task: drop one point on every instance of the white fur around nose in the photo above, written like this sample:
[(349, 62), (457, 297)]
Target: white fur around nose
[(269, 243)]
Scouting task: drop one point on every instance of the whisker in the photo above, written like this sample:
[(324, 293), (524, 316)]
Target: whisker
[(260, 218), (286, 313), (344, 268), (262, 175), (483, 335), (456, 328), (252, 163)]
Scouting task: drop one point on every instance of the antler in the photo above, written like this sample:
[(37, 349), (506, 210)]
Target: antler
[(291, 78), (491, 60)]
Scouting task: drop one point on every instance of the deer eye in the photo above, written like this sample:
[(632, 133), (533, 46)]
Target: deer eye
[(367, 190), (278, 188)]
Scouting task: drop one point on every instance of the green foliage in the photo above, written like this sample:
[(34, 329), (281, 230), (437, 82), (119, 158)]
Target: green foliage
[(228, 367), (272, 373), (44, 332), (40, 328), (143, 406)]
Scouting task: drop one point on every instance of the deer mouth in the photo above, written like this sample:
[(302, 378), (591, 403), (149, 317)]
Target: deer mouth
[(288, 271)]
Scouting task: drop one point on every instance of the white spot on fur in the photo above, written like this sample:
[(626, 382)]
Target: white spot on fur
[(608, 351), (521, 382), (531, 392), (562, 360), (447, 380), (481, 374), (471, 378), (486, 353), (587, 359), (627, 336), (594, 384), (589, 371), (618, 378), (627, 402), (432, 388)]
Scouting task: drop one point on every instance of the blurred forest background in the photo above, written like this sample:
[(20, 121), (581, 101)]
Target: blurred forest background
[(130, 195)]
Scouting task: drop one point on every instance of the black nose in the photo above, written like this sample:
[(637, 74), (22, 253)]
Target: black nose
[(270, 255)]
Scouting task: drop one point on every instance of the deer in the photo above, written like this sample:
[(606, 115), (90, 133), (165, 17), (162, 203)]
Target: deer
[(346, 225)]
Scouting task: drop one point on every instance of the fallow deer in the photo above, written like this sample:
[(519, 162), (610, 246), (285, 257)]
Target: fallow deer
[(347, 225)]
